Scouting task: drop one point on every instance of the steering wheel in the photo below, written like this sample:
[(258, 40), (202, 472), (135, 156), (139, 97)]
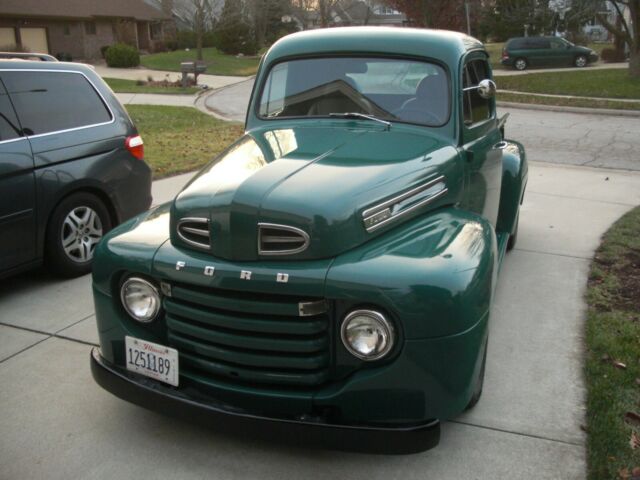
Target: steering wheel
[(419, 113)]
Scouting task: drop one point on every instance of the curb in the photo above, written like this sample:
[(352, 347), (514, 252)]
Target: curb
[(558, 108), (200, 103)]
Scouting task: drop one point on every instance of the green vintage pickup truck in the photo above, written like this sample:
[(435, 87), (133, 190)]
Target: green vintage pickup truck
[(327, 280)]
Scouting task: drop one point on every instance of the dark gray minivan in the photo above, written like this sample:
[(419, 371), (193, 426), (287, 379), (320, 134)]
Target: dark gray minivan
[(71, 166), (523, 52)]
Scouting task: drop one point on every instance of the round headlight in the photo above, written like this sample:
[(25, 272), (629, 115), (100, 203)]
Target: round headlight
[(367, 334), (140, 299)]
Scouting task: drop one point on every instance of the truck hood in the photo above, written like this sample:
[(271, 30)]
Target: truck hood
[(315, 180)]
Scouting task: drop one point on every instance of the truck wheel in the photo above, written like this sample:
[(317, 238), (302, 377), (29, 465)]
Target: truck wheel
[(76, 226), (581, 61), (513, 238), (477, 393), (520, 64)]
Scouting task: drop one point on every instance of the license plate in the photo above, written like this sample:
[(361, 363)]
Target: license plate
[(152, 360)]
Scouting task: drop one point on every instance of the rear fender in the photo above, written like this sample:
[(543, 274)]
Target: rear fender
[(514, 182)]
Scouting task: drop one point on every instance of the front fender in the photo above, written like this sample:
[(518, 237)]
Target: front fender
[(435, 275)]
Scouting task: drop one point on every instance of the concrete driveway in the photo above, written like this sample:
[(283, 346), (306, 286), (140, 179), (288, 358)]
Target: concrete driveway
[(56, 423)]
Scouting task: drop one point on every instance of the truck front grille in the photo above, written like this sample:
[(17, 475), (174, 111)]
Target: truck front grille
[(248, 337)]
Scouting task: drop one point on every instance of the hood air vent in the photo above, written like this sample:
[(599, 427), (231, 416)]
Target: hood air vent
[(281, 239), (195, 232)]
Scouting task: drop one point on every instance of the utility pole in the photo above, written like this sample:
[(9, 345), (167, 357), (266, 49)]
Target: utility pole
[(466, 8)]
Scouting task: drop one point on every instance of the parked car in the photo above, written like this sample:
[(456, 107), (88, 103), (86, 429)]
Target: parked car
[(327, 280), (71, 166), (524, 52), (42, 57)]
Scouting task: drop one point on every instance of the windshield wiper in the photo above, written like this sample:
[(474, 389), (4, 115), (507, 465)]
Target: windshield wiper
[(362, 116)]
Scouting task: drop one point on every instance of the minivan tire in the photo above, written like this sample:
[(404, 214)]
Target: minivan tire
[(520, 64), (78, 222), (581, 61)]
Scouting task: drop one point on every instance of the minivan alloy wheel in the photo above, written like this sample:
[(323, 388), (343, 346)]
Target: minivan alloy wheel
[(81, 232), (520, 64), (581, 61)]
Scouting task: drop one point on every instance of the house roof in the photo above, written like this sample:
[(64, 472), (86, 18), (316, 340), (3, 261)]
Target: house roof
[(136, 9)]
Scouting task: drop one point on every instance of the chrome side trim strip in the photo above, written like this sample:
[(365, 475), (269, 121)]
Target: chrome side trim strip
[(302, 233), (202, 233), (391, 216)]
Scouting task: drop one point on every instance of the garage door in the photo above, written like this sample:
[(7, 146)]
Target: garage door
[(35, 39), (7, 37)]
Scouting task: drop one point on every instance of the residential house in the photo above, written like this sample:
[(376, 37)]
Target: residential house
[(80, 28), (352, 13)]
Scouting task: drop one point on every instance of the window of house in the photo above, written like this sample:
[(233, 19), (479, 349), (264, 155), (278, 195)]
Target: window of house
[(155, 30), (90, 28), (66, 29), (476, 109), (53, 101)]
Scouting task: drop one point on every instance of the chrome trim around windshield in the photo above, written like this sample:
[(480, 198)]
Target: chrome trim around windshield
[(302, 233), (382, 214)]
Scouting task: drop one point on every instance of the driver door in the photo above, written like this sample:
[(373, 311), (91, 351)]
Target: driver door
[(480, 143)]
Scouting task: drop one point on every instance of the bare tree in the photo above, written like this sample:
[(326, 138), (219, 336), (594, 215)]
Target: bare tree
[(202, 19), (629, 31)]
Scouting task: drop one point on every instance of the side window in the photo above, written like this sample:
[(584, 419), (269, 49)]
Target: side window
[(557, 44), (476, 109), (9, 127), (54, 101), (274, 92)]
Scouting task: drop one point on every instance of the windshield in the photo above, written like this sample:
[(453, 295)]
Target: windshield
[(390, 89)]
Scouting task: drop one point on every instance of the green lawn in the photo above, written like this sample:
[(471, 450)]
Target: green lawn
[(495, 52), (613, 352), (609, 83), (119, 85), (180, 139), (217, 63)]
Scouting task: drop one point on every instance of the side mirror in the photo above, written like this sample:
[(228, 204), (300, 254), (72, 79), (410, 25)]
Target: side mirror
[(486, 88)]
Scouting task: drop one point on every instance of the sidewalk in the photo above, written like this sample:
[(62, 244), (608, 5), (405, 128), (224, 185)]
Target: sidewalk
[(156, 99), (212, 81), (597, 66), (550, 95)]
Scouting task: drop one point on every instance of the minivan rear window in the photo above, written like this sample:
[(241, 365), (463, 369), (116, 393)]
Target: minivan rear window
[(9, 127), (53, 101)]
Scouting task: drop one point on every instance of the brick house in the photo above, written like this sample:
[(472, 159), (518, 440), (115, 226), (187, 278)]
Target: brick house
[(81, 27)]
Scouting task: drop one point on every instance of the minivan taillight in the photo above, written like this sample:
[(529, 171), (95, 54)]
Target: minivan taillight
[(135, 145), (505, 55)]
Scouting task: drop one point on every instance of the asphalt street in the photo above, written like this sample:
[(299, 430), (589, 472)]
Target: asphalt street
[(57, 424), (554, 137)]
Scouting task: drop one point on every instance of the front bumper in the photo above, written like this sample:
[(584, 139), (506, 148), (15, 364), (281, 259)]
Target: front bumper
[(165, 400)]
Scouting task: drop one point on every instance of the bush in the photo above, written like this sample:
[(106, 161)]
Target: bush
[(64, 57), (186, 39), (158, 47), (103, 50), (610, 55), (172, 45), (121, 55)]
